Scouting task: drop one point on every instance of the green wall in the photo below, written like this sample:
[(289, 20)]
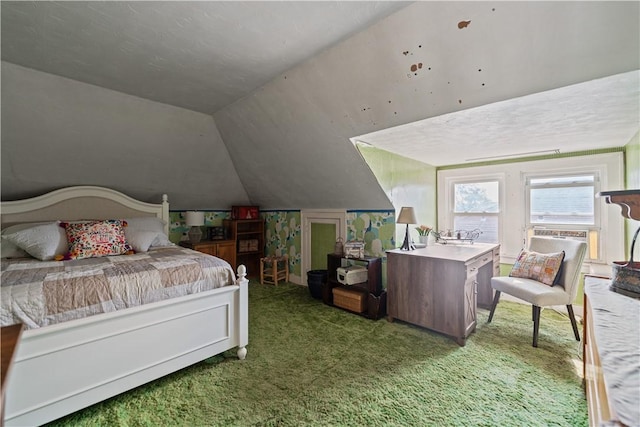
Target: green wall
[(406, 182), (323, 242)]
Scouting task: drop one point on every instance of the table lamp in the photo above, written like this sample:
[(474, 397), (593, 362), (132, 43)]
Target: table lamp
[(195, 220), (407, 216)]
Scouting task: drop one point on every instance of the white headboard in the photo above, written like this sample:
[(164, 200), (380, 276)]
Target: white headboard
[(81, 202)]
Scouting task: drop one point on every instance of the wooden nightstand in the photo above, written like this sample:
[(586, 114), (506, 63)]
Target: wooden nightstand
[(10, 336), (225, 249)]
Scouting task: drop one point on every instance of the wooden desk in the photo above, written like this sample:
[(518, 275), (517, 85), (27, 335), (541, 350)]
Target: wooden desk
[(9, 336), (439, 287), (611, 345)]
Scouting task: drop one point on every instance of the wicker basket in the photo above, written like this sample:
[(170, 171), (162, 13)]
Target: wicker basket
[(625, 278), (350, 299)]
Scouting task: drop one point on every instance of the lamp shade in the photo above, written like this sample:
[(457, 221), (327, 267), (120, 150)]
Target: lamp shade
[(407, 216), (194, 218)]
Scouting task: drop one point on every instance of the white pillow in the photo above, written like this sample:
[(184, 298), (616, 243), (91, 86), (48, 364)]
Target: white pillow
[(149, 223), (43, 242), (146, 223), (7, 248), (140, 240)]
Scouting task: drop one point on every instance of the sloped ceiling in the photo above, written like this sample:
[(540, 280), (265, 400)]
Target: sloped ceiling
[(598, 114), (290, 83), (199, 55)]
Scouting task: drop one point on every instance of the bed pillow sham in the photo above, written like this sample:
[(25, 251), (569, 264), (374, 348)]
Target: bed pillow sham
[(7, 248), (139, 240), (94, 239), (41, 241), (150, 223)]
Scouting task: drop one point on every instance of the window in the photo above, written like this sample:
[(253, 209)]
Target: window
[(564, 206), (476, 206), (562, 200)]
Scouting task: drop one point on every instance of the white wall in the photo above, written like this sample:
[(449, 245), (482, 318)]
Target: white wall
[(298, 125), (58, 132), (514, 214)]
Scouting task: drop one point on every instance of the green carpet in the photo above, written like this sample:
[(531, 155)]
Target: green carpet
[(311, 364)]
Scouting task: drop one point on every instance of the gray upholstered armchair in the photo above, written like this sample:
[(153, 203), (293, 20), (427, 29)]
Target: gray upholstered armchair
[(542, 295)]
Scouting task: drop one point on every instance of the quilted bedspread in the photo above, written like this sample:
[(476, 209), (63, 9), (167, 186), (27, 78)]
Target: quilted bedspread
[(40, 293)]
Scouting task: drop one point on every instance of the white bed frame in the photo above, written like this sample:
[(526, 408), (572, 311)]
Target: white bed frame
[(62, 368)]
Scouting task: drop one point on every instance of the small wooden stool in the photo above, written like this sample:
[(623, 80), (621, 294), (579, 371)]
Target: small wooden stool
[(273, 269)]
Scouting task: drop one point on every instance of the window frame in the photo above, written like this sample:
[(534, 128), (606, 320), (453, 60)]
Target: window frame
[(450, 184), (594, 250)]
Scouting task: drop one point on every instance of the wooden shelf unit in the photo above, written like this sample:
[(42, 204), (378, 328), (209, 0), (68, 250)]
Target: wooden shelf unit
[(375, 296), (248, 235)]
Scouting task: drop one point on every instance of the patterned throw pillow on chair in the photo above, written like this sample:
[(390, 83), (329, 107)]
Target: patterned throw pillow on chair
[(536, 266)]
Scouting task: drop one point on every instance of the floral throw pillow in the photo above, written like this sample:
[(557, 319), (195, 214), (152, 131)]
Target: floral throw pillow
[(541, 267), (93, 239)]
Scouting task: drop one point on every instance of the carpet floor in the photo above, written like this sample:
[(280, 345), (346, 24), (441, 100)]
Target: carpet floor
[(311, 364)]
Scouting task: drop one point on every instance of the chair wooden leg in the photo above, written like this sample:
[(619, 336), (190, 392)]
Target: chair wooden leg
[(496, 298), (535, 311), (573, 322), (274, 266)]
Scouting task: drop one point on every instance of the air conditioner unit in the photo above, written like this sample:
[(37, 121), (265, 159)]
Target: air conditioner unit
[(582, 235), (588, 236)]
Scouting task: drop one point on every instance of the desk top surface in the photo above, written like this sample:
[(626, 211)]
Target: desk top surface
[(455, 252), (616, 325)]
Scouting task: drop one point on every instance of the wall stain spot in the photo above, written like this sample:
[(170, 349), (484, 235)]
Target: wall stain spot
[(419, 46), (463, 24), (405, 53), (459, 101), (482, 84), (479, 70), (416, 67)]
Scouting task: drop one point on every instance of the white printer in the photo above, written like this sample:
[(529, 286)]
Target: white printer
[(352, 274)]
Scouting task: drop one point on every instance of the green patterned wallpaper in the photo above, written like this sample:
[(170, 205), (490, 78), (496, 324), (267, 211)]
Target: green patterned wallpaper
[(283, 231), (177, 227), (375, 228), (283, 236)]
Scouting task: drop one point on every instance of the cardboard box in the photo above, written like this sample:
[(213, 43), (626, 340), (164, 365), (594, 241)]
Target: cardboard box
[(350, 299)]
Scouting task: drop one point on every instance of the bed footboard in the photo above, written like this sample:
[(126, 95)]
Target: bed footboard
[(63, 368)]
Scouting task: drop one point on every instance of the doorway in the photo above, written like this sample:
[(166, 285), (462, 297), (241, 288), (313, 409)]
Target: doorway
[(320, 230)]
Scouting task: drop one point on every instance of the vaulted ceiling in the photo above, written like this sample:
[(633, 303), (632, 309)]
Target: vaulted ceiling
[(289, 84), (201, 55)]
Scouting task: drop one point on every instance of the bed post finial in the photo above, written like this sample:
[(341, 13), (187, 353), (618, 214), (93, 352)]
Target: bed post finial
[(165, 198), (242, 271)]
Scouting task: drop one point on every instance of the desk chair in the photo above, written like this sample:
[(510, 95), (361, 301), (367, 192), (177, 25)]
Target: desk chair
[(538, 294)]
